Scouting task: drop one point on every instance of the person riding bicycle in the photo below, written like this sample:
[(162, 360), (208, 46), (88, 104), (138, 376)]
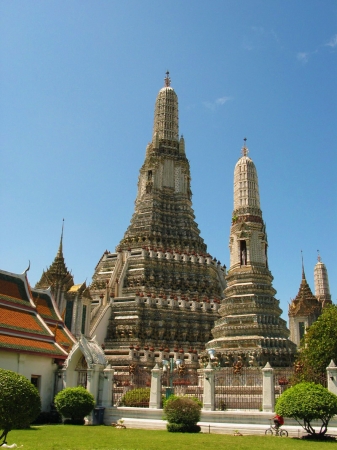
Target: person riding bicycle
[(278, 421)]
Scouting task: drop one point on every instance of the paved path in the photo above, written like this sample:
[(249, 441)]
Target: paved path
[(220, 428)]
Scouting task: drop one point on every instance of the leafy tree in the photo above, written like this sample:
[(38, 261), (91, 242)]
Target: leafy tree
[(182, 414), (136, 397), (74, 403), (306, 402), (318, 347), (20, 402)]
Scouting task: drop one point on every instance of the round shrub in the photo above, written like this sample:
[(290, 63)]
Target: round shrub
[(20, 402), (306, 402), (182, 411), (137, 398), (74, 403)]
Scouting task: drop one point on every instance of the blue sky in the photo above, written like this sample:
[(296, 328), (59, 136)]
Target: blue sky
[(78, 82)]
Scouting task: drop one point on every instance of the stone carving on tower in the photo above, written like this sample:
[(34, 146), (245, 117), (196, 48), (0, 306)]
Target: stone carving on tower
[(250, 329), (163, 286), (322, 289), (304, 310)]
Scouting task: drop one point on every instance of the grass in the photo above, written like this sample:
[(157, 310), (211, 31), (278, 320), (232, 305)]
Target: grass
[(70, 437)]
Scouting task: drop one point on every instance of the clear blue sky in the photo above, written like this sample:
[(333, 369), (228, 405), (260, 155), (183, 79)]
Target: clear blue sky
[(78, 82)]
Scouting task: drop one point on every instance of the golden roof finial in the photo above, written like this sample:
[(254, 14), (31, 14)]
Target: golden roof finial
[(244, 149), (167, 79)]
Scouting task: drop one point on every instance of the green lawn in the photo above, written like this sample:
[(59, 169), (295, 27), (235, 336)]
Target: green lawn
[(69, 437)]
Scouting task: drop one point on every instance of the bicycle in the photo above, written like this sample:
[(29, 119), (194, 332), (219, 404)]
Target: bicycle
[(277, 431)]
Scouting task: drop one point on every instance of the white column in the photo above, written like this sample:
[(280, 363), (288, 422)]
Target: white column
[(331, 372), (155, 391), (268, 401), (209, 389), (107, 387)]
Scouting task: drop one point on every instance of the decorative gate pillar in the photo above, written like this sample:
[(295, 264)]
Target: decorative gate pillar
[(268, 400), (209, 389), (93, 379), (331, 372), (155, 390), (107, 400)]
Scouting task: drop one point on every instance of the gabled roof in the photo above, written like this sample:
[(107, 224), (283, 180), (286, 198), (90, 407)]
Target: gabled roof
[(22, 329), (47, 309)]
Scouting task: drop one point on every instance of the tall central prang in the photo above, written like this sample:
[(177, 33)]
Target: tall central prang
[(163, 287)]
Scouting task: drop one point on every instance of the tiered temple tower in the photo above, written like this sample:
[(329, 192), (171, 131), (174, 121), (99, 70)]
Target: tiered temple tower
[(250, 330), (322, 289), (161, 285)]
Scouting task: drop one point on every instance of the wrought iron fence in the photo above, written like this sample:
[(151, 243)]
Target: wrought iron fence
[(282, 380), (238, 388), (132, 378)]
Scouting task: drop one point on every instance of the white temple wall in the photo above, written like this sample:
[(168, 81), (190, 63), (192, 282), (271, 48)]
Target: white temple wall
[(33, 365)]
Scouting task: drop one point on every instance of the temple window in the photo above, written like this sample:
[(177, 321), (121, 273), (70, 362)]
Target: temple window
[(301, 329), (243, 253)]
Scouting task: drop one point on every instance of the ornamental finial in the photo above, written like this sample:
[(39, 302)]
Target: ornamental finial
[(244, 149), (167, 79), (303, 274), (318, 256)]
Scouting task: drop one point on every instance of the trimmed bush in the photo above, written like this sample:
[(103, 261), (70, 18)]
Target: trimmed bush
[(20, 402), (74, 403), (172, 397), (183, 413), (182, 428), (306, 402), (137, 398)]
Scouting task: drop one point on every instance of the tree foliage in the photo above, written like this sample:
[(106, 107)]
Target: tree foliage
[(318, 347), (182, 414), (136, 397), (20, 402), (306, 402), (74, 403)]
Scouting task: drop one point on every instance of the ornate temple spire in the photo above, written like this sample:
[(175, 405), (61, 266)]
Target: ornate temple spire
[(166, 122), (322, 289), (57, 273), (304, 309)]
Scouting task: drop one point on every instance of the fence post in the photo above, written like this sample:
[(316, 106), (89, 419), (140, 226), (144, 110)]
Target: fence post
[(107, 400), (268, 401), (331, 374), (209, 389), (155, 390)]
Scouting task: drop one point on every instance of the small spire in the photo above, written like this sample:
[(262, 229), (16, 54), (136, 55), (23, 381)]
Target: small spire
[(318, 256), (60, 250), (167, 79), (303, 274), (244, 149)]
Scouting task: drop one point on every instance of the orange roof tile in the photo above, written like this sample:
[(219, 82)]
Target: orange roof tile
[(30, 345), (13, 287), (21, 320)]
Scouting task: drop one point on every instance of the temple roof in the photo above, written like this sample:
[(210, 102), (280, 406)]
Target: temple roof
[(22, 328), (57, 273), (305, 303), (47, 309)]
